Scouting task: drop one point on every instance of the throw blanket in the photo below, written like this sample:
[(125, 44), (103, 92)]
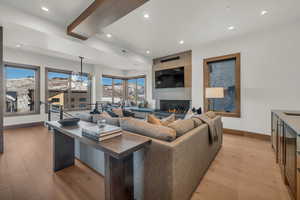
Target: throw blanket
[(215, 127)]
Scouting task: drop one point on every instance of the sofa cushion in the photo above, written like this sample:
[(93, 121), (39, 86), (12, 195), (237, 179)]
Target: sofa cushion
[(115, 121), (182, 126), (211, 114), (84, 117), (150, 130), (118, 111), (197, 121), (152, 119), (168, 120)]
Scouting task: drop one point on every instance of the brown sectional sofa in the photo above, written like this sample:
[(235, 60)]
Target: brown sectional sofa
[(173, 170), (167, 170)]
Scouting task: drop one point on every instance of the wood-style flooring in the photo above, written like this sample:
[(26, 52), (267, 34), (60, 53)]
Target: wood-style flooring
[(244, 169)]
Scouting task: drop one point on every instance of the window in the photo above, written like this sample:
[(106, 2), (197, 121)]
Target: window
[(223, 72), (116, 89), (107, 89), (136, 90), (22, 89), (71, 92)]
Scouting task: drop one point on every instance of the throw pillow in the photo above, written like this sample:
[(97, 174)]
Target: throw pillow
[(150, 130), (197, 121), (168, 120), (118, 111), (211, 114), (153, 120), (182, 126), (188, 114)]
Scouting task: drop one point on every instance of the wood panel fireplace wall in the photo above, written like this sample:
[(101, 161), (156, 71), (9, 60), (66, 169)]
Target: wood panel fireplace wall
[(183, 59)]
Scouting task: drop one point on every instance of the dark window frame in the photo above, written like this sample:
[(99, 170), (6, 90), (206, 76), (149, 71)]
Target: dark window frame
[(37, 97), (206, 78)]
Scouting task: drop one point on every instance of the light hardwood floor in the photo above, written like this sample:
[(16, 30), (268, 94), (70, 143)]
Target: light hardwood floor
[(244, 169)]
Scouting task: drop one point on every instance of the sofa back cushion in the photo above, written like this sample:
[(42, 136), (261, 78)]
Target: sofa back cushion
[(118, 111), (150, 130), (115, 121), (182, 126)]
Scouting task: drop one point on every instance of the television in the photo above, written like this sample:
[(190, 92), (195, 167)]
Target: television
[(170, 78)]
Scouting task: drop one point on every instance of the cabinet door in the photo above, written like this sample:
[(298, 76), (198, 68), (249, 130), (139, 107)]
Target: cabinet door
[(290, 155)]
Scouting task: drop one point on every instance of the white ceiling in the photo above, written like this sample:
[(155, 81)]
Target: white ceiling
[(197, 22), (62, 12)]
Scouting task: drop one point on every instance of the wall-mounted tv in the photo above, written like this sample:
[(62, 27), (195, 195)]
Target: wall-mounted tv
[(170, 78)]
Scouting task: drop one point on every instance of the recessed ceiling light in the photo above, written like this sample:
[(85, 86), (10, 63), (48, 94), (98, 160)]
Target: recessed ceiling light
[(146, 16), (108, 35), (45, 9), (147, 52), (18, 45), (263, 12), (181, 42), (231, 28)]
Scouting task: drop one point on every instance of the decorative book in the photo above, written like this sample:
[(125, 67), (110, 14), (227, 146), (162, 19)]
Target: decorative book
[(100, 134)]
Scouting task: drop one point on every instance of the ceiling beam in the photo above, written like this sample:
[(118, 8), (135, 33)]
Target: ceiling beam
[(100, 14)]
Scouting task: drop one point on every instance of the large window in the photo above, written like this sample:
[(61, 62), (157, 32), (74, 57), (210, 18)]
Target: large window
[(136, 90), (64, 89), (116, 89), (222, 81), (113, 89), (22, 89)]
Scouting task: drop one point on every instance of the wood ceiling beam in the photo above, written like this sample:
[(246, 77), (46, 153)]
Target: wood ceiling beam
[(100, 14)]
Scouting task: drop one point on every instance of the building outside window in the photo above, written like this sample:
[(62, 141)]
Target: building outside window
[(64, 89), (22, 89), (116, 89)]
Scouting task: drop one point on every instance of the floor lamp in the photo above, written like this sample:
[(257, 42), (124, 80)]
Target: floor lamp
[(213, 93)]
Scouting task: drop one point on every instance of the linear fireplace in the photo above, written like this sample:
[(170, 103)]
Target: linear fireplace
[(174, 106)]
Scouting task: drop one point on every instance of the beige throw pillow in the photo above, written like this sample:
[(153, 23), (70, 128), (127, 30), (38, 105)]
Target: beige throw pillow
[(182, 126), (153, 120)]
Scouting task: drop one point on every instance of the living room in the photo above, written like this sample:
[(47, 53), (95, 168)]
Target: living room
[(194, 100)]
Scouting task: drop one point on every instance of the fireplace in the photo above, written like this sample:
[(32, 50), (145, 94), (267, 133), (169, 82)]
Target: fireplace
[(174, 106)]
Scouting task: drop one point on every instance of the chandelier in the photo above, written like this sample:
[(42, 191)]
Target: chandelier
[(80, 79)]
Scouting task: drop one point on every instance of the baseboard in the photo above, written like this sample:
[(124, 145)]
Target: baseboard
[(26, 125), (85, 164), (247, 134)]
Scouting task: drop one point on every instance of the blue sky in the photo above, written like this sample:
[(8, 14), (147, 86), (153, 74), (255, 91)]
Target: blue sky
[(14, 73)]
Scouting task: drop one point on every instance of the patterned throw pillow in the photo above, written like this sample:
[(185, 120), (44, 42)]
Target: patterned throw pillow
[(211, 114)]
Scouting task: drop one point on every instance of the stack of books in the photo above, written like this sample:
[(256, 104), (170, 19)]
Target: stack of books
[(100, 134)]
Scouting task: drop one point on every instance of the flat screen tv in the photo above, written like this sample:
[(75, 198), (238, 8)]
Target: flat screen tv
[(169, 78)]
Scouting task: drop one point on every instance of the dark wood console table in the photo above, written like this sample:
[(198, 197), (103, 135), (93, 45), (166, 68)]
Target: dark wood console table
[(118, 156)]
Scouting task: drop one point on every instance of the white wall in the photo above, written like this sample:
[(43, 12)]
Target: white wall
[(22, 57), (270, 71)]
